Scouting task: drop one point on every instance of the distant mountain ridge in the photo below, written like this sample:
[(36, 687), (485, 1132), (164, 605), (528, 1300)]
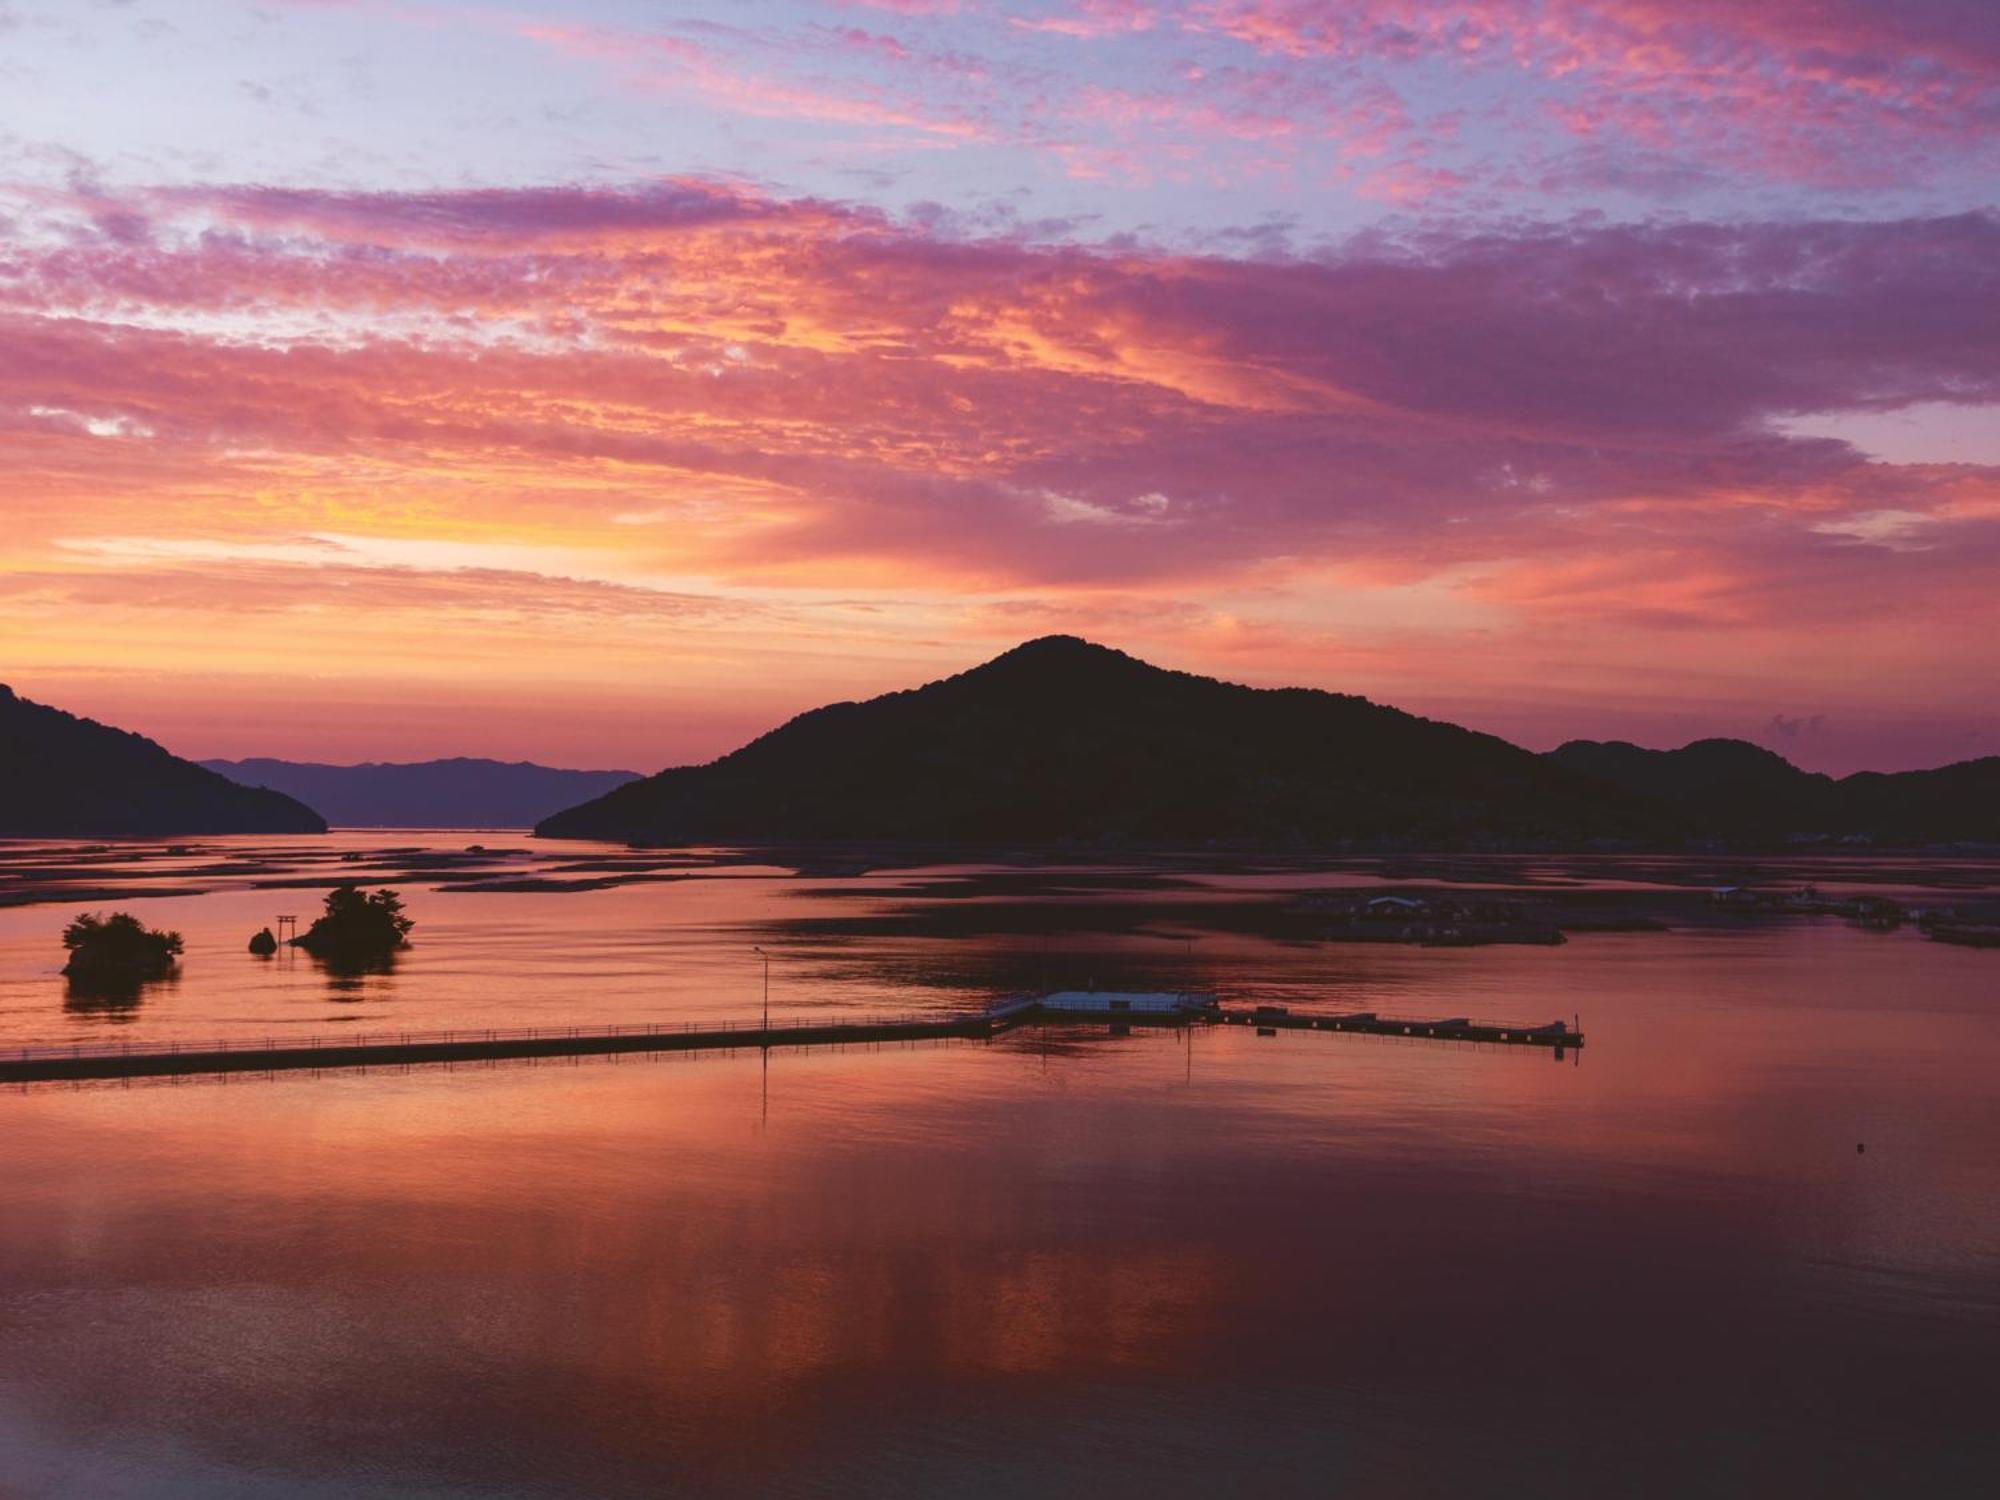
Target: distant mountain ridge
[(460, 792), (1060, 739), (1732, 788), (61, 775)]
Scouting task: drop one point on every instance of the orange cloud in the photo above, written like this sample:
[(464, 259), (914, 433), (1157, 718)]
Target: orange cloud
[(597, 438)]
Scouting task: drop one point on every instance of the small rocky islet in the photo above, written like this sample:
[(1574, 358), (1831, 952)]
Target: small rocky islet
[(118, 951)]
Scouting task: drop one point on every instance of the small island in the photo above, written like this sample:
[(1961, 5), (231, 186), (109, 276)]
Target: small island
[(118, 951), (357, 927)]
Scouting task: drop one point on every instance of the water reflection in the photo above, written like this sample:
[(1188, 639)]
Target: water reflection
[(1061, 1263), (1048, 1266), (110, 998), (351, 978), (516, 951)]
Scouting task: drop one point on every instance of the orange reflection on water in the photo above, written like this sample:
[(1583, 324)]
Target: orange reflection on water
[(1143, 1264)]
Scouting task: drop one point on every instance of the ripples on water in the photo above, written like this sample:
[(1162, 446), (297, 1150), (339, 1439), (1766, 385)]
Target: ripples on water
[(1065, 1262)]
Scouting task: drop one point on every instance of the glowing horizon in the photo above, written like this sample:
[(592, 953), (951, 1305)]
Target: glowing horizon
[(602, 384)]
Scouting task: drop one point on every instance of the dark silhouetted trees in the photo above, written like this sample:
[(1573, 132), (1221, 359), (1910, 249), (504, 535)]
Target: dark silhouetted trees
[(357, 926), (118, 949)]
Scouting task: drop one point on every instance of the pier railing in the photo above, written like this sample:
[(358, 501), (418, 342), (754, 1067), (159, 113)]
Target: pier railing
[(471, 1035), (1315, 1020), (131, 1057)]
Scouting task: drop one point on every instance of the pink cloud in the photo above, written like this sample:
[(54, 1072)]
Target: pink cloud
[(1575, 428), (1094, 18), (1675, 346), (1815, 89), (1829, 93), (912, 7), (671, 64), (482, 219)]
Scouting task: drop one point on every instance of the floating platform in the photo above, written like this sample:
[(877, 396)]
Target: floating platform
[(399, 1048), (1557, 1034)]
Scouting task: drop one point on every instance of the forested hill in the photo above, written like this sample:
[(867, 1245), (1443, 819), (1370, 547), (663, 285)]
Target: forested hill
[(1063, 740), (1733, 789), (62, 775)]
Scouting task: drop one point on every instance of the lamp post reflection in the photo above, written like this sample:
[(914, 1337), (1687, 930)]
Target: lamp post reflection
[(764, 1101)]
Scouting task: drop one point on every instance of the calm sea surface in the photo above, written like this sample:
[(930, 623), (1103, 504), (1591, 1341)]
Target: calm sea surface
[(1061, 1263)]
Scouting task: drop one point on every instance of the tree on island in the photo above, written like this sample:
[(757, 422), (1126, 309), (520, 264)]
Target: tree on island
[(118, 949), (357, 926)]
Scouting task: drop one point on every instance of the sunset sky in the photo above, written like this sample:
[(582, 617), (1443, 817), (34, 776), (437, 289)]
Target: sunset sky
[(602, 382)]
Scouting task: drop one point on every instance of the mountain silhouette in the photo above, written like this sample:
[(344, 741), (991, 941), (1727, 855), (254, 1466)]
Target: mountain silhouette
[(1737, 789), (1061, 739), (1721, 785), (458, 793), (61, 775)]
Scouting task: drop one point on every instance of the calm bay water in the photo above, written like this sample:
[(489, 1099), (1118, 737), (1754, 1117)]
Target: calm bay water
[(1063, 1262)]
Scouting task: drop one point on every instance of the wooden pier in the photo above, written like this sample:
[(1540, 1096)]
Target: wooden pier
[(379, 1049)]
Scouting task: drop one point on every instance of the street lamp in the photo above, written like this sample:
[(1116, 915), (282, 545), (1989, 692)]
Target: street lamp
[(767, 993)]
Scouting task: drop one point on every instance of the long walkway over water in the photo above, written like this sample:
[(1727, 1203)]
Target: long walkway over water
[(373, 1049)]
